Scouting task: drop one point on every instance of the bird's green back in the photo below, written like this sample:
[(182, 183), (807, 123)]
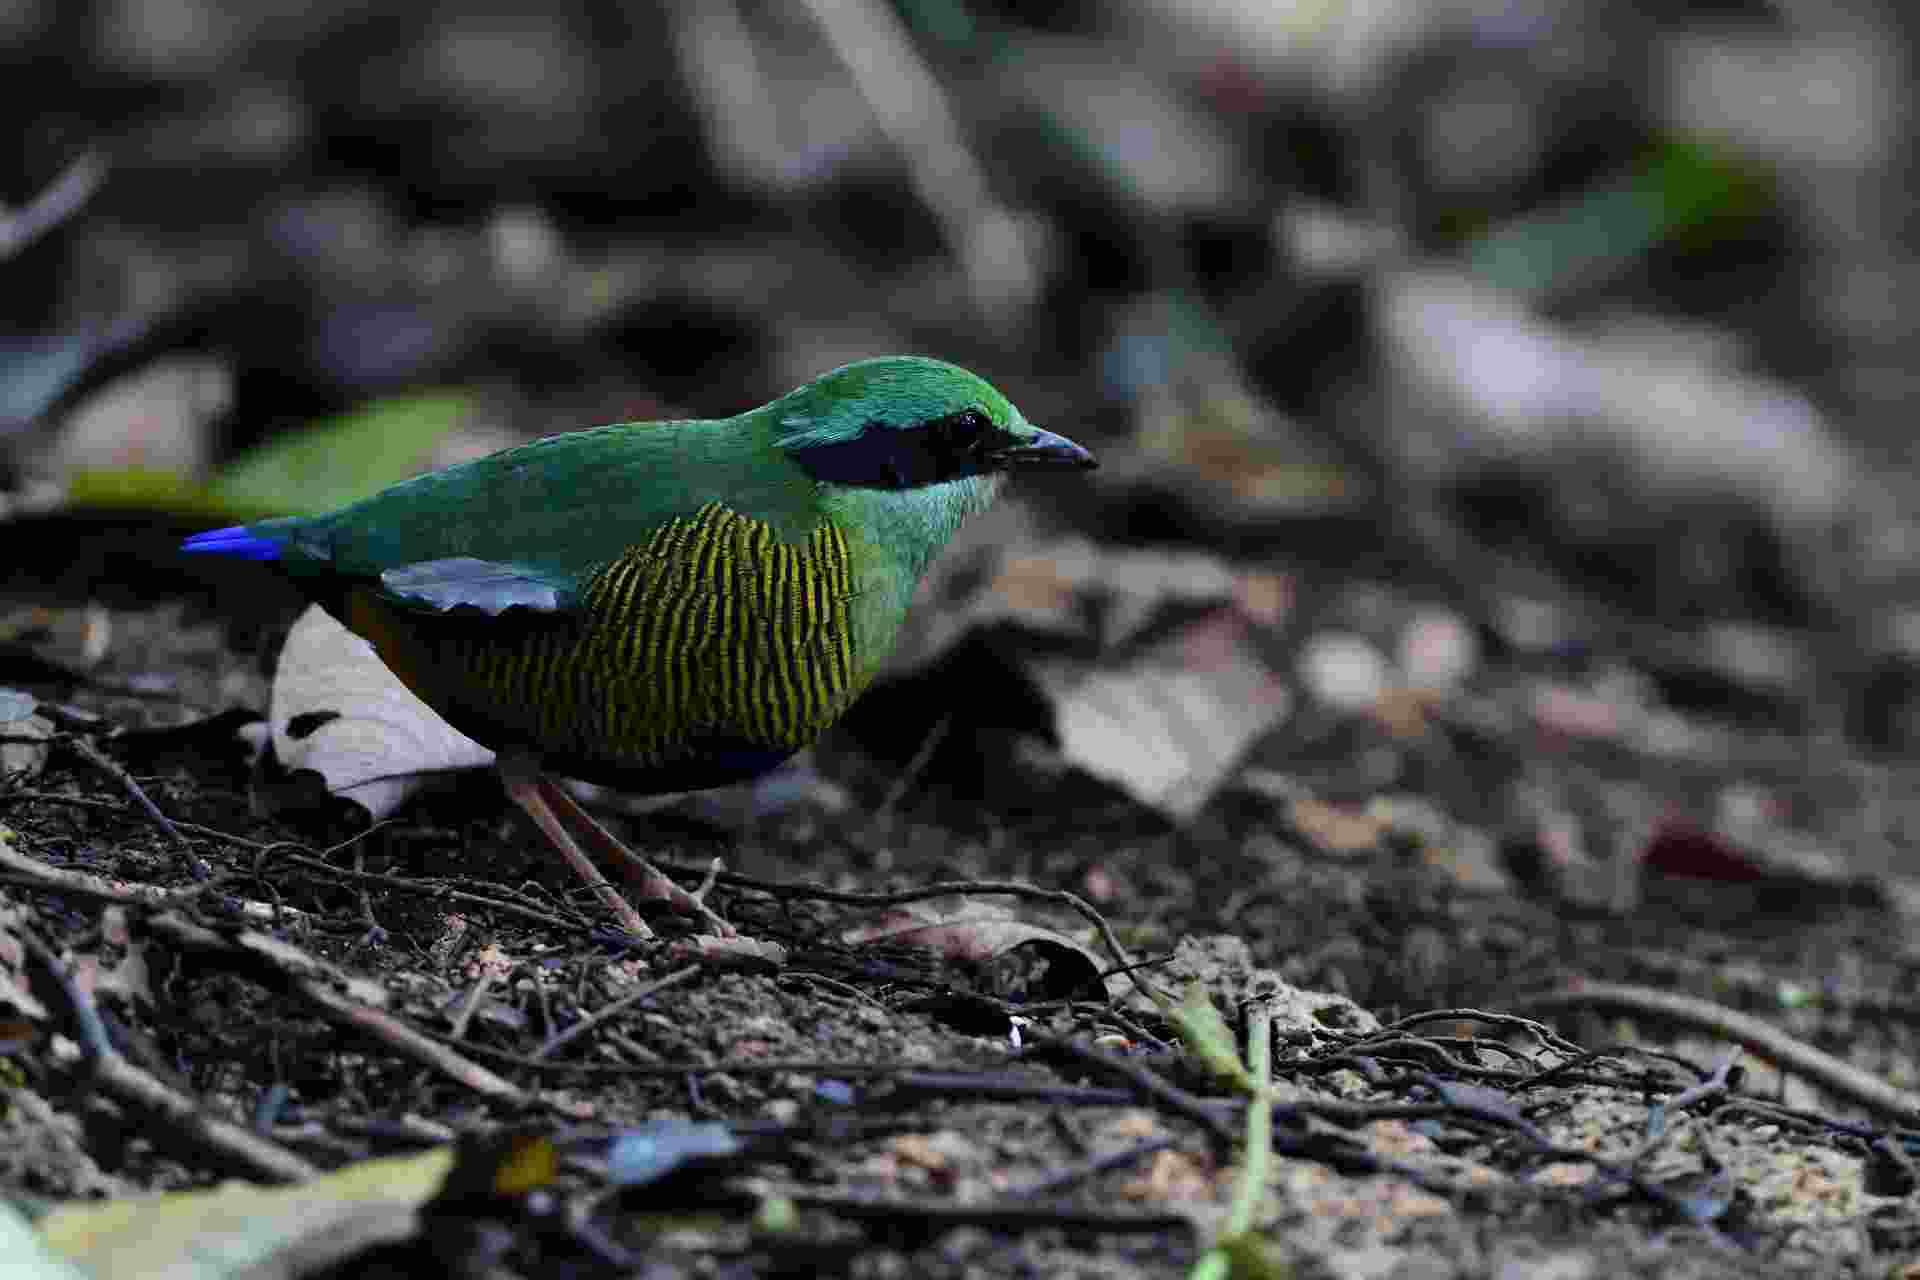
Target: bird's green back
[(568, 504), (565, 504)]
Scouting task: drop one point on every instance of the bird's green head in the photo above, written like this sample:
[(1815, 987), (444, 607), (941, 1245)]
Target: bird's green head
[(909, 422)]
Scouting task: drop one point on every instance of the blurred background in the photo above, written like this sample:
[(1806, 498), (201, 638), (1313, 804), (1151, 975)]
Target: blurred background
[(1590, 322)]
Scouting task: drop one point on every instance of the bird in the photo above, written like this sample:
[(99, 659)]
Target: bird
[(663, 606)]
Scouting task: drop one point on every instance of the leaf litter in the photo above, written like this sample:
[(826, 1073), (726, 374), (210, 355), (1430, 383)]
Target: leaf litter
[(350, 1004)]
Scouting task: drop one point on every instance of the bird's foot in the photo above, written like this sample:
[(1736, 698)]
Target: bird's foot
[(647, 880), (554, 812)]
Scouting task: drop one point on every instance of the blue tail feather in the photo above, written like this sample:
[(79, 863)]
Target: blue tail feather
[(235, 540)]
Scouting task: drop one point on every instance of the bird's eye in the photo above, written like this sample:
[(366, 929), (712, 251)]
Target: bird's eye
[(967, 430)]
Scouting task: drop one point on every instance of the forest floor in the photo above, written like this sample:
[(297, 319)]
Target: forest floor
[(1484, 1066)]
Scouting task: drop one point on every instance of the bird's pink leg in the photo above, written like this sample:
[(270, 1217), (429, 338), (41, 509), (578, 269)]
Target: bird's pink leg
[(647, 880), (531, 792)]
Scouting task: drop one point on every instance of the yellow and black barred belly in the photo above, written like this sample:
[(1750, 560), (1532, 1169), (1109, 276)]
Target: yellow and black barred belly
[(705, 655)]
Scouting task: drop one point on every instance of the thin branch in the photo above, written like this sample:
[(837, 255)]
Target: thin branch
[(151, 1098), (62, 199), (625, 1002), (1840, 1078), (111, 767), (913, 110)]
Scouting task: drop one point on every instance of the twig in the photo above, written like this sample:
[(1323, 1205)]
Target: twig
[(1540, 1031), (1840, 1078), (929, 1214), (1144, 1081), (915, 767), (61, 200), (1066, 1179), (1714, 1086), (99, 759), (625, 1002), (470, 1005), (404, 1039), (39, 875), (976, 1086), (434, 888), (755, 1067), (284, 967), (912, 109), (151, 1098)]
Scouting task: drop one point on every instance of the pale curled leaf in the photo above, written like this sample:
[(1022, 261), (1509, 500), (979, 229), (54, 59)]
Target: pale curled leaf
[(338, 711), (240, 1230), (974, 933)]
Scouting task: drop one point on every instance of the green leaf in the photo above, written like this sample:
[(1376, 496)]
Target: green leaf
[(342, 460), (1684, 190), (1206, 1033), (313, 469)]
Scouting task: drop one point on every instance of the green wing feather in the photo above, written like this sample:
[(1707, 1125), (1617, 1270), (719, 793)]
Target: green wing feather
[(528, 526)]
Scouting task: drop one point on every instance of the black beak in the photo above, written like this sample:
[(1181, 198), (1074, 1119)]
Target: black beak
[(1046, 449)]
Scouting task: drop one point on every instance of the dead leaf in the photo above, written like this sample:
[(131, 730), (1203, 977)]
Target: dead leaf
[(979, 933), (338, 711), (1171, 726), (248, 1230), (750, 954)]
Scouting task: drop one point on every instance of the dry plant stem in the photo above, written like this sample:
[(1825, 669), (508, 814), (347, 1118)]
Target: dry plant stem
[(915, 767), (470, 1006), (1840, 1078), (431, 888), (1540, 1031), (631, 867), (152, 1099), (925, 1212), (39, 875), (757, 1067), (1147, 1083), (403, 1039), (1714, 1086), (149, 1096), (1256, 1156), (1067, 1179), (107, 765), (910, 105), (526, 791), (61, 200), (283, 967), (600, 1015)]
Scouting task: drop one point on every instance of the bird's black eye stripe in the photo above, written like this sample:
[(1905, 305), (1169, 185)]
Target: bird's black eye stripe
[(885, 456), (965, 431)]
